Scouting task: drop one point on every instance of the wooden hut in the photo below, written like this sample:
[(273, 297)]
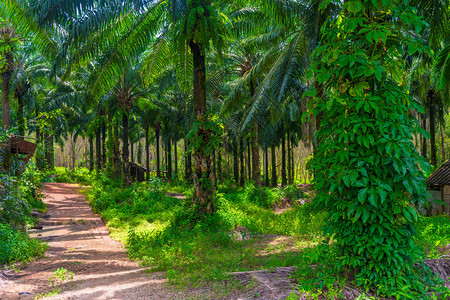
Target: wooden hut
[(438, 185)]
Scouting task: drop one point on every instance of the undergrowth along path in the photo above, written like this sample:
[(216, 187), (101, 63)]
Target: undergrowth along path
[(80, 243)]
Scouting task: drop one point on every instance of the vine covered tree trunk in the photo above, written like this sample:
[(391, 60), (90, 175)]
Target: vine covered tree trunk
[(5, 35), (204, 180), (115, 147), (219, 165), (49, 152), (131, 151), (283, 160), (370, 180), (431, 105), (125, 150), (274, 167), (20, 118)]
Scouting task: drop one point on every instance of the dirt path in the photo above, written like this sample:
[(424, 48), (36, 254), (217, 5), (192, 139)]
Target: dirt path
[(79, 242)]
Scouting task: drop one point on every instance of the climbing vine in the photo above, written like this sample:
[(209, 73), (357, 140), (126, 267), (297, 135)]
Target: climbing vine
[(368, 174)]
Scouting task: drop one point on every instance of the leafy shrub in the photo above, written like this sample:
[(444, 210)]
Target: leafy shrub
[(434, 234), (14, 209), (17, 246), (292, 192), (261, 196)]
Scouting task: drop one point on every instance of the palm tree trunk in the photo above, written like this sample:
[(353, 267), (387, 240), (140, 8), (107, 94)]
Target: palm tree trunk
[(241, 150), (147, 151), (20, 119), (289, 165), (219, 166), (236, 162), (256, 175), (266, 166), (131, 151), (116, 154), (98, 149), (103, 144), (6, 110), (169, 159), (91, 152), (125, 150), (424, 140), (249, 159), (274, 167), (292, 163), (204, 180), (49, 152), (443, 144), (283, 160), (187, 162), (158, 168), (175, 153), (433, 151)]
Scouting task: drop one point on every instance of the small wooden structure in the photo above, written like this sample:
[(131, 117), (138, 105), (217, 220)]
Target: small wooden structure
[(438, 185), (137, 172)]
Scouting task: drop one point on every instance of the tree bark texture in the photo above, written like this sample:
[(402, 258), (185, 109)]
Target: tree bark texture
[(236, 163), (158, 163), (424, 140), (241, 150), (98, 149), (91, 152)]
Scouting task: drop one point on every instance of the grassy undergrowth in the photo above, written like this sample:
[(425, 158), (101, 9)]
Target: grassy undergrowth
[(165, 234)]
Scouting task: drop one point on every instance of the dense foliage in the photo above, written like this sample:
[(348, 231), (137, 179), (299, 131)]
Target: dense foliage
[(368, 174)]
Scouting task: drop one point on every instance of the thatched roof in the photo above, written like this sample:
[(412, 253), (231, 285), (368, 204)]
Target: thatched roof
[(440, 177)]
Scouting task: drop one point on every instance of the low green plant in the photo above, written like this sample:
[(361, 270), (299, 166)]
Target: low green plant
[(17, 246), (60, 276)]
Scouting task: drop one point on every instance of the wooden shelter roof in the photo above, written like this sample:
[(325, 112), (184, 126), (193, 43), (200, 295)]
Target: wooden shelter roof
[(440, 177)]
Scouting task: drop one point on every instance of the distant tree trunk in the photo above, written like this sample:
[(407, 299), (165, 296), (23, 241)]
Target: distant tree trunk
[(187, 162), (116, 151), (104, 144), (98, 149), (274, 166), (49, 152), (424, 140), (431, 103), (443, 144), (158, 168), (249, 156), (131, 151), (236, 163), (20, 119), (241, 150), (289, 165), (169, 159), (283, 160), (292, 162), (175, 153), (219, 165), (266, 166), (39, 162), (91, 152), (147, 151), (125, 150)]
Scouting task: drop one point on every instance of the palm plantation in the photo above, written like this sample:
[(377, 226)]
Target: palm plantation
[(292, 119)]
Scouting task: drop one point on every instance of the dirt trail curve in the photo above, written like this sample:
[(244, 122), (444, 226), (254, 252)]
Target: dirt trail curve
[(79, 242)]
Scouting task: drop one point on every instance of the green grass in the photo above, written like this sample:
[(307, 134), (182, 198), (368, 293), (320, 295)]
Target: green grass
[(166, 235)]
